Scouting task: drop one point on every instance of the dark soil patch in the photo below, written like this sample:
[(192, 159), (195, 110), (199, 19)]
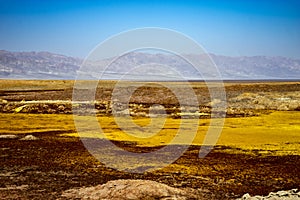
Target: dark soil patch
[(47, 167)]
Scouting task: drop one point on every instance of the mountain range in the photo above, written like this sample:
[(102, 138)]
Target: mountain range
[(45, 65)]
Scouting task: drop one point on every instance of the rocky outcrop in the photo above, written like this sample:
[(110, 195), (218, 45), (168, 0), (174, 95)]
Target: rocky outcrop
[(151, 190), (29, 137), (133, 190), (8, 137), (293, 194)]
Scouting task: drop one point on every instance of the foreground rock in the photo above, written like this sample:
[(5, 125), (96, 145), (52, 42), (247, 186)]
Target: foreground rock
[(29, 137), (8, 137), (133, 190), (293, 194)]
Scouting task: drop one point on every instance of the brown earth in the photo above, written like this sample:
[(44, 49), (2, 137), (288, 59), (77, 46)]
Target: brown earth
[(242, 99), (12, 90), (47, 167)]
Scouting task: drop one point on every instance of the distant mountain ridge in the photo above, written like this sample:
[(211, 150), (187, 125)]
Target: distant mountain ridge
[(45, 65), (258, 67), (37, 65)]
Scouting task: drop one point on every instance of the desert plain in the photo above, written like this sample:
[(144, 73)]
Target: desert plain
[(43, 152)]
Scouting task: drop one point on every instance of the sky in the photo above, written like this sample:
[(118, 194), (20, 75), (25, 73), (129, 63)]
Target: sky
[(75, 27)]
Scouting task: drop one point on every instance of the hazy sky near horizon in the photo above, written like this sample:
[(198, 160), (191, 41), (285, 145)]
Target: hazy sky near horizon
[(232, 28)]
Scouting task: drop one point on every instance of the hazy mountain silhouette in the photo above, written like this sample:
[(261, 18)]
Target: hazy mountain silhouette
[(45, 65)]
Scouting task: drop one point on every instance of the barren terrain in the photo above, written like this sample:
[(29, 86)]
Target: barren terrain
[(257, 152)]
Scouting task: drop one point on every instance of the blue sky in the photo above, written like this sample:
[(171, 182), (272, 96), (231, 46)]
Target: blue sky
[(233, 28)]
